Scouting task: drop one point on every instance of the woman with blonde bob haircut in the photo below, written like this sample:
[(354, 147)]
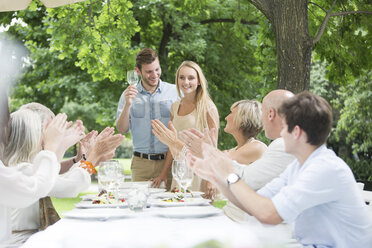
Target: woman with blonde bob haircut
[(195, 110), (244, 123)]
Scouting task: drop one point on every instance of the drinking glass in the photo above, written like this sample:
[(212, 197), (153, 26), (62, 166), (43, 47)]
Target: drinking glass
[(175, 168), (137, 197), (110, 176), (132, 77), (184, 175)]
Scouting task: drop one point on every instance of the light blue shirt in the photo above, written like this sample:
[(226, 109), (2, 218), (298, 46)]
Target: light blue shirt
[(323, 202), (146, 107)]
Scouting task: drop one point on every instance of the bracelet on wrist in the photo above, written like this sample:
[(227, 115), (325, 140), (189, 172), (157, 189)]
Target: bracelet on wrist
[(88, 166), (73, 160), (84, 158)]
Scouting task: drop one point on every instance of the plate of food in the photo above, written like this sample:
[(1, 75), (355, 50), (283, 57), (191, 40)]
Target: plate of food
[(174, 194), (98, 214), (188, 212), (179, 202), (90, 197), (103, 200)]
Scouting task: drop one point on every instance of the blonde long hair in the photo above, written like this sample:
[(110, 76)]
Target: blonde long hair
[(24, 138), (204, 103)]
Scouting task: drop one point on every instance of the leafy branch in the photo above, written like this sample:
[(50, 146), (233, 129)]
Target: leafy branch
[(330, 14)]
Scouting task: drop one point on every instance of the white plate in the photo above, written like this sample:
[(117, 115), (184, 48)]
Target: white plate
[(156, 190), (188, 212), (189, 202), (170, 194), (90, 197), (128, 185), (98, 214), (89, 204), (125, 191)]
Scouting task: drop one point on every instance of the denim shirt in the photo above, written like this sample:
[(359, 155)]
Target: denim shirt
[(146, 107)]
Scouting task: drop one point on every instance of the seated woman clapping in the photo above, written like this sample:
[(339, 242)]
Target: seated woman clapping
[(25, 140), (46, 115), (18, 190), (244, 123), (20, 152)]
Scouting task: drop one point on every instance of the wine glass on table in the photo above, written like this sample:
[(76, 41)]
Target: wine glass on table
[(184, 175), (132, 77), (110, 176), (175, 168)]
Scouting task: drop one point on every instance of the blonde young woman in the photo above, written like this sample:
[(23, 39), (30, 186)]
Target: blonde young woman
[(195, 110)]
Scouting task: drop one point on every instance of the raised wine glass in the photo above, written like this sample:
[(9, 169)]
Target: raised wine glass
[(132, 77)]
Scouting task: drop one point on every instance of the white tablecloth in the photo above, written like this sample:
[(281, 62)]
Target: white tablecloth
[(149, 230)]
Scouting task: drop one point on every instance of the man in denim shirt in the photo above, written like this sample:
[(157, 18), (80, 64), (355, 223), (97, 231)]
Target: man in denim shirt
[(151, 99)]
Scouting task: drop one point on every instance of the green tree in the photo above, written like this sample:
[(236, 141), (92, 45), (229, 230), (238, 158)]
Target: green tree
[(79, 53)]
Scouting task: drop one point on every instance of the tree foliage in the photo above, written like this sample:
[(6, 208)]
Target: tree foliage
[(79, 54)]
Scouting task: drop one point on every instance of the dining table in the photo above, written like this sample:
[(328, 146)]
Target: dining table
[(158, 225)]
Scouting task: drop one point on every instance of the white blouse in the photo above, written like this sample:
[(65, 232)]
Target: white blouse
[(69, 184), (18, 190)]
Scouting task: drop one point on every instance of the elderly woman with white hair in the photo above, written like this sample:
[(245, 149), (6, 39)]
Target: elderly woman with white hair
[(25, 140), (20, 190)]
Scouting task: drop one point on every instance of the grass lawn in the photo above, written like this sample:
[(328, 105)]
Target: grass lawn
[(66, 204)]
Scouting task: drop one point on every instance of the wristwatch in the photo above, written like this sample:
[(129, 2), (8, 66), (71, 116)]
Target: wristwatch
[(232, 178)]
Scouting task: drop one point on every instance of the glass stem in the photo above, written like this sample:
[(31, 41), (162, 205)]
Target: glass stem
[(184, 195)]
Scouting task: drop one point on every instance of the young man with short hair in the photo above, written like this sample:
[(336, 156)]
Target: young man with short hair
[(150, 99)]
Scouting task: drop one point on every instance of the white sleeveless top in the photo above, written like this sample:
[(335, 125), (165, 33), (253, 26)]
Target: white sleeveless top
[(231, 210)]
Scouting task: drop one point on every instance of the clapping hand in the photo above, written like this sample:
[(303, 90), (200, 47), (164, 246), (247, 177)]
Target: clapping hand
[(54, 133), (165, 135), (193, 139), (105, 146), (215, 165), (72, 135)]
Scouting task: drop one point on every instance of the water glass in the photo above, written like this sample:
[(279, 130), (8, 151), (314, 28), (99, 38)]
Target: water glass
[(132, 77), (137, 197)]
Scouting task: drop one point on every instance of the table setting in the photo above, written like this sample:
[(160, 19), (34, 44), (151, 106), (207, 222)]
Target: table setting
[(140, 217)]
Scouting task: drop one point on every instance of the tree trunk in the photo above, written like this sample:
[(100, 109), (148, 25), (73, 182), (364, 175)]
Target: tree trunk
[(293, 44), (293, 41), (163, 50)]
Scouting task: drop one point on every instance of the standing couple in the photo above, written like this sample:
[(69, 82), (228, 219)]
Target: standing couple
[(154, 103)]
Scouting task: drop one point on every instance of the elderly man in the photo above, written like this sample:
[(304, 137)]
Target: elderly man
[(273, 161)]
